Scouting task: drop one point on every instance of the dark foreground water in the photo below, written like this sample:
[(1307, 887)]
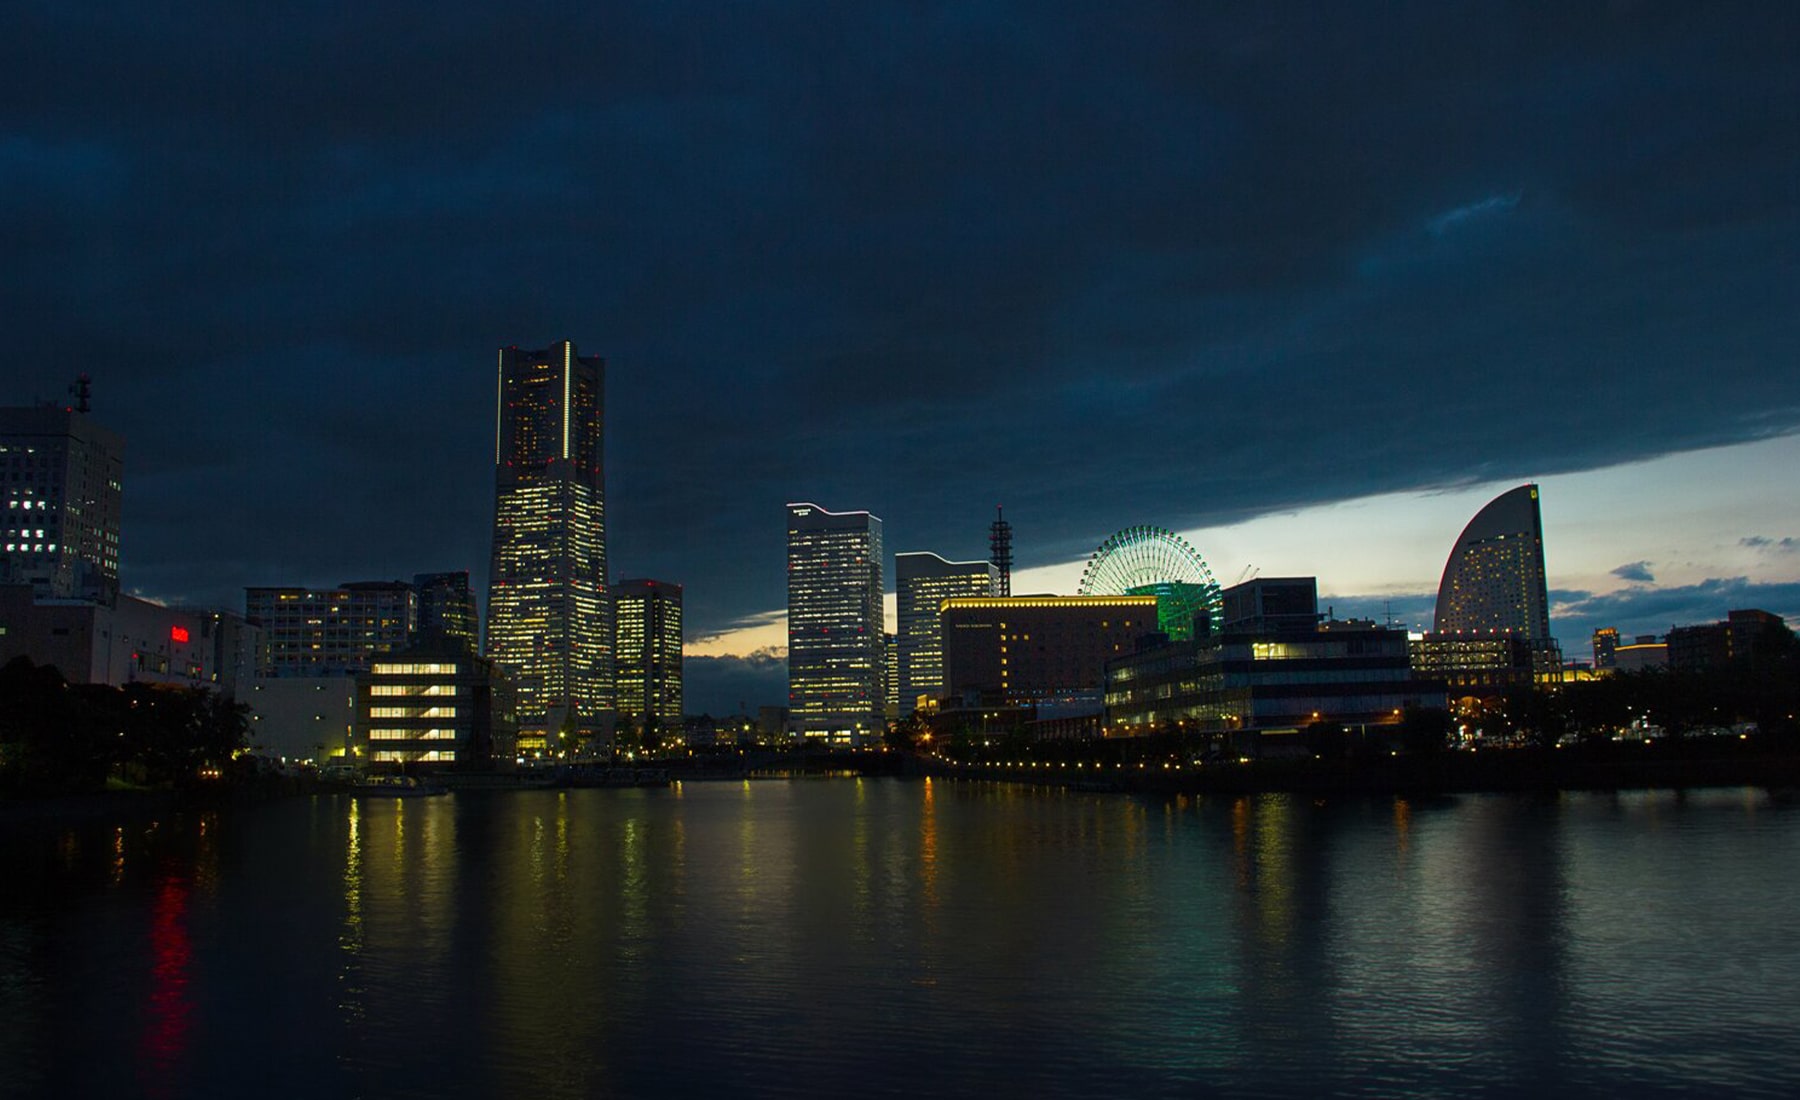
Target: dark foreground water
[(838, 937)]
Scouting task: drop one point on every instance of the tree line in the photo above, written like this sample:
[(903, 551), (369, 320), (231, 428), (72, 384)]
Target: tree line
[(58, 737)]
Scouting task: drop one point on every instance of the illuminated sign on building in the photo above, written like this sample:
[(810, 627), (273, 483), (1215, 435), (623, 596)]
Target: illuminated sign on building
[(178, 634)]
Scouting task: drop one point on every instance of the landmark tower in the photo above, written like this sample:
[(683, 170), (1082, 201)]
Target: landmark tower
[(549, 618)]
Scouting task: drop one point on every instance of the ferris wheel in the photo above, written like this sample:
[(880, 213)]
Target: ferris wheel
[(1145, 561)]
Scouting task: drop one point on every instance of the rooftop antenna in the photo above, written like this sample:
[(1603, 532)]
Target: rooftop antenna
[(1000, 544), (82, 392), (1249, 571)]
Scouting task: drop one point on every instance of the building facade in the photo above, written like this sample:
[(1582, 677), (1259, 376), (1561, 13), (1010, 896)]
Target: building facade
[(1644, 651), (61, 479), (835, 626), (1738, 638), (549, 615), (1268, 682), (447, 610), (129, 641), (1474, 665), (922, 582), (434, 708), (1272, 666), (303, 718), (1606, 646), (647, 653), (1494, 581), (1016, 650), (331, 631)]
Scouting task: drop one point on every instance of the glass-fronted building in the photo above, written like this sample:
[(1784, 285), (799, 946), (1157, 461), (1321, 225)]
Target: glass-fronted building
[(922, 582), (836, 650), (647, 654)]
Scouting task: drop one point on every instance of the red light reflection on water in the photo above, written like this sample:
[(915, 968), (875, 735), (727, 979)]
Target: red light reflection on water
[(166, 1024)]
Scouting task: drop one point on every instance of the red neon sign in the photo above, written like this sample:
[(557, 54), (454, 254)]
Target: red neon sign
[(178, 634)]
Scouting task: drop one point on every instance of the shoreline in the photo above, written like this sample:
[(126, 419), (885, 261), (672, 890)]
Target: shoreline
[(1515, 771), (1518, 771)]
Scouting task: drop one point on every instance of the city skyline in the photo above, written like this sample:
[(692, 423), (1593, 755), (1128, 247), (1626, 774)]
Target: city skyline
[(1250, 277)]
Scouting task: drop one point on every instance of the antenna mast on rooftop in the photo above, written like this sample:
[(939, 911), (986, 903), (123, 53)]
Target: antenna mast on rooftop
[(1000, 544), (82, 392)]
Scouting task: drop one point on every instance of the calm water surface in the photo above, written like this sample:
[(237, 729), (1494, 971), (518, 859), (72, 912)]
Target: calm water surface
[(831, 937)]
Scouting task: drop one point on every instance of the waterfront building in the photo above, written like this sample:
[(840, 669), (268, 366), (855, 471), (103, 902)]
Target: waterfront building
[(129, 640), (447, 609), (1642, 652), (1271, 670), (433, 708), (1739, 637), (331, 631), (1016, 650), (835, 625), (1606, 645), (1265, 605), (648, 654), (1474, 665), (1494, 581), (61, 489), (922, 582), (549, 616)]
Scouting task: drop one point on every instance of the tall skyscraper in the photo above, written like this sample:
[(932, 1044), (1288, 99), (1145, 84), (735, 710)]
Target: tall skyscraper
[(447, 610), (647, 653), (835, 644), (549, 616), (1494, 582), (60, 476), (923, 581)]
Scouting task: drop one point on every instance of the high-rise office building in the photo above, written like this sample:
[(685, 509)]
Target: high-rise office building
[(647, 653), (922, 582), (549, 619), (60, 478), (1494, 582), (447, 610), (835, 620), (331, 631)]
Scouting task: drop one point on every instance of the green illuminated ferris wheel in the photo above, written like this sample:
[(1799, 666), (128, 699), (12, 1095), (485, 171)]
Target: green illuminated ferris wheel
[(1154, 561)]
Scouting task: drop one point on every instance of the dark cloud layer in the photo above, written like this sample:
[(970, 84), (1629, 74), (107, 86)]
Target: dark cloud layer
[(1167, 263)]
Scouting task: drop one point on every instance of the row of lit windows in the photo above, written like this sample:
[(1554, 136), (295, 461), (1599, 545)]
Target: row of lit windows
[(412, 735), (410, 669), (440, 711), (433, 756), (412, 689)]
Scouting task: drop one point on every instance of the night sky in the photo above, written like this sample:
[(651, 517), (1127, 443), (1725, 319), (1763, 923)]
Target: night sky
[(1173, 263)]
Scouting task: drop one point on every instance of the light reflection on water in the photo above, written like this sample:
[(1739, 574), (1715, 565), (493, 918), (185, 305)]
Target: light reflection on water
[(884, 936)]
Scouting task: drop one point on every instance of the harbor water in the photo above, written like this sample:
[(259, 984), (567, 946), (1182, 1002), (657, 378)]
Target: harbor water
[(922, 937)]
